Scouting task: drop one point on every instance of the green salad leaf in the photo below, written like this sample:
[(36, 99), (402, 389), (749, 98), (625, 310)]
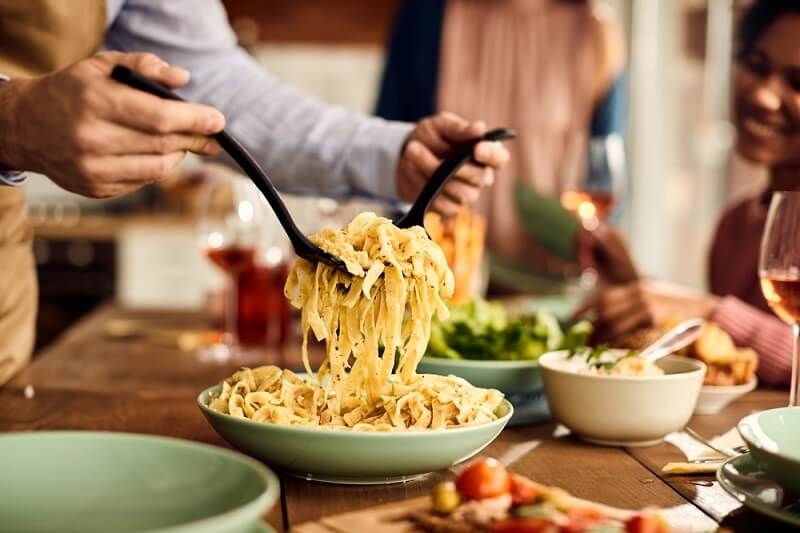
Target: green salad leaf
[(482, 330)]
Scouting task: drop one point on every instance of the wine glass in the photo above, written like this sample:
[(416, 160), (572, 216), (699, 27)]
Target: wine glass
[(591, 196), (779, 270), (228, 232)]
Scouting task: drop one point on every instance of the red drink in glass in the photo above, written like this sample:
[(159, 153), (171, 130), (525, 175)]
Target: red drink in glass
[(264, 316)]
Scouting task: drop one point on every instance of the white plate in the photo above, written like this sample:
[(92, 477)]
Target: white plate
[(714, 398)]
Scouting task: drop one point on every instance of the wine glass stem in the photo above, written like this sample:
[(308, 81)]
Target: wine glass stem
[(794, 393), (232, 311)]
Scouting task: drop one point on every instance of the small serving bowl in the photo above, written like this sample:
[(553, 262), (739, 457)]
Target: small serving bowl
[(84, 481), (715, 398), (623, 410), (353, 457), (773, 437)]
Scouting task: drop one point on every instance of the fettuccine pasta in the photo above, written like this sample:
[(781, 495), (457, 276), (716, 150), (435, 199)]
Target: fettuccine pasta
[(375, 320), (269, 394)]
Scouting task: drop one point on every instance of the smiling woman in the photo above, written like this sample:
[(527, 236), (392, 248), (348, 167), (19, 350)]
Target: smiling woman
[(767, 83), (767, 117)]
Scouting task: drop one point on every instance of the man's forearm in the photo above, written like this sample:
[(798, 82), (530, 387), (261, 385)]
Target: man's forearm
[(9, 125)]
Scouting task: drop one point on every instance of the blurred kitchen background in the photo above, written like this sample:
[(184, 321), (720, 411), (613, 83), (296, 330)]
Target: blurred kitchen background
[(142, 249)]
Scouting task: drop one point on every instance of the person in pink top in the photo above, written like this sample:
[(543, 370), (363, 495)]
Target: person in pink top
[(767, 120)]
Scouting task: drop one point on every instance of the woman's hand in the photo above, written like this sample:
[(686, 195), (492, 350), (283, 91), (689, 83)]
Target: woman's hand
[(605, 251), (621, 309), (430, 142)]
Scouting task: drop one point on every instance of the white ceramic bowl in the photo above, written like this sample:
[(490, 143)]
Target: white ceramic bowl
[(714, 398), (623, 410)]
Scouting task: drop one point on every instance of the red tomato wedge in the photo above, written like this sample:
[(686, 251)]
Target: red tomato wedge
[(646, 523), (483, 478), (523, 490)]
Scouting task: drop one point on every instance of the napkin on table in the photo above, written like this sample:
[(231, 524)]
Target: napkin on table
[(694, 449)]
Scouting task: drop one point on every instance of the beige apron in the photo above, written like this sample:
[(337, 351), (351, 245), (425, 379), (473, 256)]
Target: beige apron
[(36, 37)]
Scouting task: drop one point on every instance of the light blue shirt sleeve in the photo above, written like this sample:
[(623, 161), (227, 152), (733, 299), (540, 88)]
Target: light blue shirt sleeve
[(10, 177), (306, 146)]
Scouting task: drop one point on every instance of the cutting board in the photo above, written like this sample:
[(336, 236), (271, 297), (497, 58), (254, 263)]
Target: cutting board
[(375, 519), (383, 519)]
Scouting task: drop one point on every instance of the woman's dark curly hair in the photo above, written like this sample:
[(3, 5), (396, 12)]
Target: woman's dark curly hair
[(758, 18)]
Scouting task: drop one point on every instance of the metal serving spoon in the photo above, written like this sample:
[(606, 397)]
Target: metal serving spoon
[(302, 245), (678, 337)]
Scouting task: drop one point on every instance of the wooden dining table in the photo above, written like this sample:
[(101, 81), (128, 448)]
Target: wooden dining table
[(88, 380)]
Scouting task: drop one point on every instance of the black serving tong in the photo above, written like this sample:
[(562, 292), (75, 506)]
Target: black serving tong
[(302, 245), (460, 155)]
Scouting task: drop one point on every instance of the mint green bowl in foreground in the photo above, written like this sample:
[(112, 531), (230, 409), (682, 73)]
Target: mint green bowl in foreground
[(509, 377), (96, 482), (344, 456), (773, 437)]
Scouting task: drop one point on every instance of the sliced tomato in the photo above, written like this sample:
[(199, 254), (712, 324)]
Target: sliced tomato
[(524, 525), (645, 523), (523, 490), (484, 478), (580, 519)]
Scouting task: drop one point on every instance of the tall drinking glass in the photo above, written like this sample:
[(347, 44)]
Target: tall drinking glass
[(228, 233), (779, 270)]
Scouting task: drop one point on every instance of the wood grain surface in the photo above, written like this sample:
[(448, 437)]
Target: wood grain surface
[(87, 380)]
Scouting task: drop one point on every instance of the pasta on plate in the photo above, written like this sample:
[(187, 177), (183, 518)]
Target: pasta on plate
[(375, 320)]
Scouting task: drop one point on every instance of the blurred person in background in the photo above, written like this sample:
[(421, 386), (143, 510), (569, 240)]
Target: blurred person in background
[(61, 115), (766, 106), (552, 70)]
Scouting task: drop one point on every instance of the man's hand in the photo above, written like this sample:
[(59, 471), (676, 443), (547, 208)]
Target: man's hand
[(429, 143), (97, 137)]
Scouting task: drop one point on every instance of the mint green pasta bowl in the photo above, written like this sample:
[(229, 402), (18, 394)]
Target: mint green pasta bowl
[(353, 457), (773, 437), (96, 482)]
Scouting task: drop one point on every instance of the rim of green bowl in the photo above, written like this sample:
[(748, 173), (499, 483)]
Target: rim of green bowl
[(479, 363), (700, 368), (265, 500), (746, 431), (202, 402)]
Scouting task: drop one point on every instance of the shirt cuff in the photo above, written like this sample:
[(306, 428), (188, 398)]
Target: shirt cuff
[(374, 156), (12, 178)]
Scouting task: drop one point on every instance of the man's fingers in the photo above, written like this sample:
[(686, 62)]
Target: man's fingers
[(148, 65), (427, 134), (475, 175), (460, 192), (151, 114), (456, 129), (492, 154), (445, 206), (422, 158), (141, 169), (113, 139)]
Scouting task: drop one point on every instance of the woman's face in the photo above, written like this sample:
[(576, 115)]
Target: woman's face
[(767, 96)]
